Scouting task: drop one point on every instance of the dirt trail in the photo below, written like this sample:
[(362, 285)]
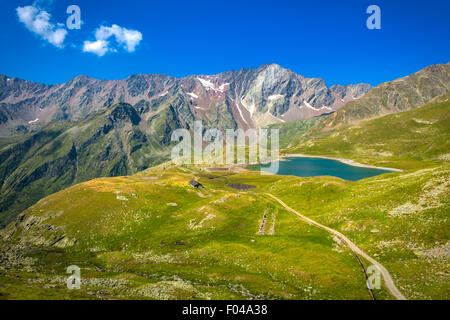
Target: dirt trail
[(389, 282)]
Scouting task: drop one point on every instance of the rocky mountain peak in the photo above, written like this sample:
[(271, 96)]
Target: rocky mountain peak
[(246, 98)]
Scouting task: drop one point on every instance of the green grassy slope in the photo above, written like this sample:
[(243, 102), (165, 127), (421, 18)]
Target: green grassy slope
[(400, 219), (290, 132), (205, 246), (111, 142), (152, 236), (406, 140)]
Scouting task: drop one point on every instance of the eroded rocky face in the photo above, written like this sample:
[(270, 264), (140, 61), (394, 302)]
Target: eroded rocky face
[(245, 99)]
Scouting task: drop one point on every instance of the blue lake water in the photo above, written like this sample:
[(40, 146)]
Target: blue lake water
[(311, 167)]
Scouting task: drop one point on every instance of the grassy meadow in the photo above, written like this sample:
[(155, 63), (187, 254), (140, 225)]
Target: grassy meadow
[(152, 236)]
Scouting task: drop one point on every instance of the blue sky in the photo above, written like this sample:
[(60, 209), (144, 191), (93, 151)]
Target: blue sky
[(326, 39)]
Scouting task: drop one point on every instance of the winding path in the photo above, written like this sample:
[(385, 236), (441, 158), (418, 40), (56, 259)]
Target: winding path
[(389, 282)]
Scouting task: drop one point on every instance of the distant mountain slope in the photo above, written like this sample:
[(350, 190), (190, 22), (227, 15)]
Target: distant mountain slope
[(394, 96), (112, 141), (247, 98), (421, 134), (390, 97)]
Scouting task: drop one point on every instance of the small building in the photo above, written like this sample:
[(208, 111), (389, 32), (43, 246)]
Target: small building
[(196, 184)]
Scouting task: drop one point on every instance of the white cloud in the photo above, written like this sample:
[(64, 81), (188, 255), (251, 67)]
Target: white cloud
[(99, 47), (38, 22), (126, 38), (129, 39)]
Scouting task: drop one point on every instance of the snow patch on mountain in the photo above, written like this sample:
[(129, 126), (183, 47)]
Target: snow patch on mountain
[(210, 86), (308, 105), (206, 83), (222, 86), (275, 97)]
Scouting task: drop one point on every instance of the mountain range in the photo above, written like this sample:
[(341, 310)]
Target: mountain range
[(153, 236), (238, 99), (81, 185), (54, 136)]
